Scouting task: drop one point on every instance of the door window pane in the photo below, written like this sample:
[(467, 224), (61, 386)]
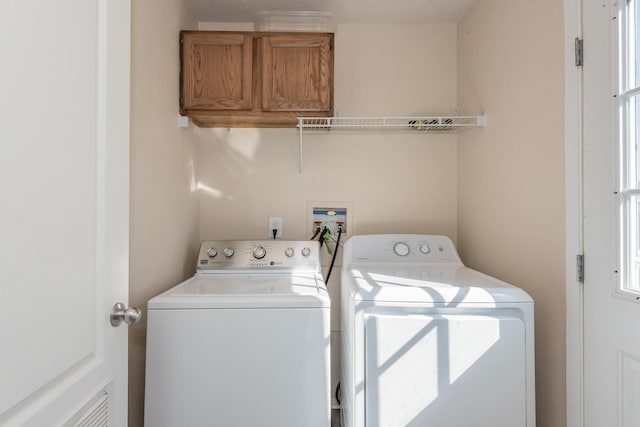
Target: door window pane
[(629, 159)]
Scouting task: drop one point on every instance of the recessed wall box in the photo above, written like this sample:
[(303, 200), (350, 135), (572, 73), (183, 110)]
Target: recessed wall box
[(332, 218)]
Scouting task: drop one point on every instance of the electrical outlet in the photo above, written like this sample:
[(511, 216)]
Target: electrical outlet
[(275, 224)]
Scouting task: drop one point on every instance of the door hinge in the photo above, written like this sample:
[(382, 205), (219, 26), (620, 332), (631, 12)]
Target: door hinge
[(579, 47), (331, 44), (580, 268)]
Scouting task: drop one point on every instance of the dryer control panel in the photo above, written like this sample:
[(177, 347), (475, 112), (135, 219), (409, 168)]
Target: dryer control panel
[(258, 255), (401, 248)]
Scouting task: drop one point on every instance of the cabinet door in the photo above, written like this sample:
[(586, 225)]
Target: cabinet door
[(297, 73), (216, 71)]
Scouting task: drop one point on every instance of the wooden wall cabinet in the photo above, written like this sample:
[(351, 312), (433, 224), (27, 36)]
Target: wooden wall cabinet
[(255, 79)]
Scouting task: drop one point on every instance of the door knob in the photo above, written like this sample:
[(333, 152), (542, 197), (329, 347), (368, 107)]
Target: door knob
[(128, 315)]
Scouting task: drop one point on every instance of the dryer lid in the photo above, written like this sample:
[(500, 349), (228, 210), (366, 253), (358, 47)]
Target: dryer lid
[(428, 283), (245, 291)]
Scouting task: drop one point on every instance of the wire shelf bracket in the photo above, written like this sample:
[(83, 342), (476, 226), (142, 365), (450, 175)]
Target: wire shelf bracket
[(440, 124)]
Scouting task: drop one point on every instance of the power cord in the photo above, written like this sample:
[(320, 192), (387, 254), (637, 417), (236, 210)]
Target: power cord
[(315, 233), (335, 252), (325, 230)]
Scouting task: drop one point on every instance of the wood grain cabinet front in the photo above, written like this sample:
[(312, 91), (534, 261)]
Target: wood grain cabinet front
[(217, 71), (255, 79)]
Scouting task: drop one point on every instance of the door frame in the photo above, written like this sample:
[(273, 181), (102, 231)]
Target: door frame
[(573, 215)]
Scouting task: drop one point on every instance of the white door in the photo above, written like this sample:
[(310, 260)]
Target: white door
[(64, 149), (611, 200)]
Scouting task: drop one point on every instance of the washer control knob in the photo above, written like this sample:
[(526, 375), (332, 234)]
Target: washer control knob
[(228, 252), (401, 249), (425, 249), (306, 251), (289, 252), (259, 252), (212, 252)]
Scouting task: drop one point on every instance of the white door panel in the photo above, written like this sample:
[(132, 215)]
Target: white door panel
[(611, 339), (64, 195)]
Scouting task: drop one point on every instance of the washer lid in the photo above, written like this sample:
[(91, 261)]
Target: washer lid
[(428, 283), (245, 291)]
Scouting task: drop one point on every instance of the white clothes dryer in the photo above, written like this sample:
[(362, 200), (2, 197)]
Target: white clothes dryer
[(427, 341), (244, 342)]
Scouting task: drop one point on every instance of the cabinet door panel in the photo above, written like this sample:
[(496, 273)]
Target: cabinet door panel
[(217, 71), (297, 73)]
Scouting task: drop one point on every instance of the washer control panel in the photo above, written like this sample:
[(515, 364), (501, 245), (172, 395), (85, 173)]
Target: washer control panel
[(243, 255)]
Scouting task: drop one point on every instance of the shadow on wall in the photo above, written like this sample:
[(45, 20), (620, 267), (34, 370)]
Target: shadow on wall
[(235, 151)]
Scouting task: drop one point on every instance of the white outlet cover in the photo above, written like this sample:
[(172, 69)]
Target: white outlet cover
[(275, 222)]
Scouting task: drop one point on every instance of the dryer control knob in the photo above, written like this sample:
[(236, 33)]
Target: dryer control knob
[(259, 252), (401, 249), (306, 251), (228, 252), (212, 252), (425, 249), (289, 252)]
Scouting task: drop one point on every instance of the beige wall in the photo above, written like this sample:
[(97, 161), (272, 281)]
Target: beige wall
[(511, 174), (164, 221), (396, 182), (498, 191)]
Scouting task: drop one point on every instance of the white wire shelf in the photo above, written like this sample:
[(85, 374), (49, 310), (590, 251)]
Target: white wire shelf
[(434, 124), (425, 124)]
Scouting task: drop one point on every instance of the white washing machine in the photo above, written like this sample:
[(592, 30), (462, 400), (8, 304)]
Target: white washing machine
[(243, 343), (429, 342)]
